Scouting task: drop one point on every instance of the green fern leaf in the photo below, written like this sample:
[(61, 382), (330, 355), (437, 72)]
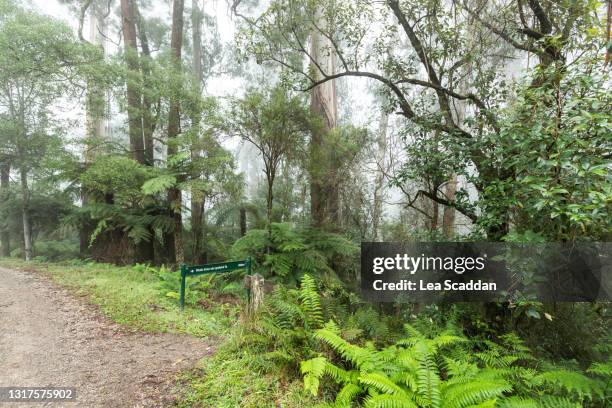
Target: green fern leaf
[(389, 401)]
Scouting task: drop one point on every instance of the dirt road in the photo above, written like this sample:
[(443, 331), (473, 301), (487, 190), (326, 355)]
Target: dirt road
[(50, 338)]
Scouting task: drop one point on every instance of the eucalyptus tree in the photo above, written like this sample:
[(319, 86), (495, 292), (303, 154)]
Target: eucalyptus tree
[(423, 79), (39, 64), (174, 193), (5, 235)]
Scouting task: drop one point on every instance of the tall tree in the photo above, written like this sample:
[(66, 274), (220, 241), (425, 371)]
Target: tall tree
[(134, 103), (38, 62), (148, 119), (197, 200), (5, 236), (95, 108), (324, 193), (174, 124)]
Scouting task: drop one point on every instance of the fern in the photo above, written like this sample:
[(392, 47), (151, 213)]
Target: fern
[(287, 253), (418, 371), (311, 303), (347, 394), (474, 393), (158, 184), (571, 381), (381, 383), (389, 401), (313, 370), (602, 369)]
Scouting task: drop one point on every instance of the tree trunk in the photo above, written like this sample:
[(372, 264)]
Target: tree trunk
[(5, 237), (196, 229), (255, 285), (174, 194), (324, 199), (448, 217), (243, 222), (197, 200), (380, 176), (134, 109), (25, 213), (434, 216), (270, 176), (148, 123), (95, 122), (145, 250)]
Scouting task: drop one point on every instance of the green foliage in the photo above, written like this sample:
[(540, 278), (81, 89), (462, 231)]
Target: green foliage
[(284, 253), (284, 333), (556, 153), (440, 371)]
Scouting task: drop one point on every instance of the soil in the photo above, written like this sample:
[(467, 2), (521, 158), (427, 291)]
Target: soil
[(51, 338)]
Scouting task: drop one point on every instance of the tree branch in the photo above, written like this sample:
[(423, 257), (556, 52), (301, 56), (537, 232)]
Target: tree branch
[(418, 47), (468, 213)]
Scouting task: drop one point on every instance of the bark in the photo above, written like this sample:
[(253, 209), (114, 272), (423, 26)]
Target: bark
[(255, 287), (5, 237), (95, 122), (148, 122), (197, 212), (324, 197), (433, 226), (380, 176), (25, 214), (174, 194), (448, 217), (243, 222), (197, 200), (134, 109), (270, 176), (145, 250), (95, 104)]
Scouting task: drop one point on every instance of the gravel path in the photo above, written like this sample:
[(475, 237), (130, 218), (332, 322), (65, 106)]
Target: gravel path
[(50, 338)]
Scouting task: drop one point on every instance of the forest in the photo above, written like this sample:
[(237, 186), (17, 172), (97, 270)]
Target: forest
[(137, 136)]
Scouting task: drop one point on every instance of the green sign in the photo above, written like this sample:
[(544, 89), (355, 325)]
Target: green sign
[(196, 270)]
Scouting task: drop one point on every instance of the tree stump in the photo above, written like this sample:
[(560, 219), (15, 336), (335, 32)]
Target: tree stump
[(255, 286)]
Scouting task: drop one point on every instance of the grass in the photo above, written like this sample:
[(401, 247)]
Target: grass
[(138, 297), (134, 296), (236, 376)]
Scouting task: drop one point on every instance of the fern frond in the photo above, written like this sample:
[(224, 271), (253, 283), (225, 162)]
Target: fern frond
[(347, 394), (474, 392), (518, 402), (428, 379), (381, 383), (359, 356), (571, 381), (550, 401), (313, 370), (311, 302), (601, 369), (389, 401)]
